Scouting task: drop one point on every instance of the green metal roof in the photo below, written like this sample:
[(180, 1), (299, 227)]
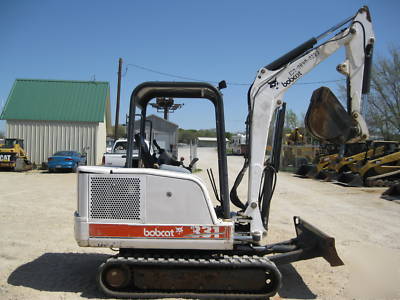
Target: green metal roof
[(57, 100)]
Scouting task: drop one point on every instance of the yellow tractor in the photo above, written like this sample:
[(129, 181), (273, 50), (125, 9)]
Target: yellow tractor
[(328, 153), (13, 155), (378, 168), (346, 158)]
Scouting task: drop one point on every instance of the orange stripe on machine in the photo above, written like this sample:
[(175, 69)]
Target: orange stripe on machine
[(159, 231)]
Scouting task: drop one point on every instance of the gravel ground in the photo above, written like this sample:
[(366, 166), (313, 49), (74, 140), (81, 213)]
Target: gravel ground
[(39, 258)]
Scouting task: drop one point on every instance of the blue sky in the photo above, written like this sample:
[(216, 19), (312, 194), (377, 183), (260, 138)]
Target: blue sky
[(205, 40)]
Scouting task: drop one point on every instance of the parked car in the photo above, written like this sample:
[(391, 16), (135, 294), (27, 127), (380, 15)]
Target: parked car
[(66, 160)]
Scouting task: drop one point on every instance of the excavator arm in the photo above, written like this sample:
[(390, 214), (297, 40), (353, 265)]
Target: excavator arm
[(267, 92)]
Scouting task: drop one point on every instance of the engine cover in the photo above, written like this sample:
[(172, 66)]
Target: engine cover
[(146, 208)]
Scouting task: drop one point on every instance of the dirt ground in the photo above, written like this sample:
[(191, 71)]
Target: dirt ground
[(39, 258)]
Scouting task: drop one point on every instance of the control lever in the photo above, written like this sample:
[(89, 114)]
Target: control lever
[(194, 160)]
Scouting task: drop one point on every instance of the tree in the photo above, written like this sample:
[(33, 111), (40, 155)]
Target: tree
[(186, 135), (121, 132), (291, 120), (381, 109), (383, 104), (2, 135), (228, 135)]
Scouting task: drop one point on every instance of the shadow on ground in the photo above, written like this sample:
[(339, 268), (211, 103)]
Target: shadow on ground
[(293, 285), (76, 273), (61, 272)]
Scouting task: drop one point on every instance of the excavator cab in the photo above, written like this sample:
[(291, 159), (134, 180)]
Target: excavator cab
[(327, 120)]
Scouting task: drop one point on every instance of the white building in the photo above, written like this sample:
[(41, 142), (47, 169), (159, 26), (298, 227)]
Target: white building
[(208, 141), (55, 115)]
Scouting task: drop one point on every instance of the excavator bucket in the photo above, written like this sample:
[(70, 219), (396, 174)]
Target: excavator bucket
[(331, 176), (304, 169), (327, 120), (310, 243), (322, 175), (312, 172), (392, 193), (351, 179)]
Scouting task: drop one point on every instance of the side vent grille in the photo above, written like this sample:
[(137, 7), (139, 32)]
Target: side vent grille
[(115, 198)]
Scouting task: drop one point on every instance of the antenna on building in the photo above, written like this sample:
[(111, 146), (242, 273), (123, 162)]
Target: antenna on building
[(166, 105)]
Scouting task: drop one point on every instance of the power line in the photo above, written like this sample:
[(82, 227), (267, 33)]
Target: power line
[(214, 82)]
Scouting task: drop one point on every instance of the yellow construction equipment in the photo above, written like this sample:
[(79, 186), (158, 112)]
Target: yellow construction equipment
[(296, 151), (13, 155), (348, 155), (328, 153), (380, 168), (295, 137)]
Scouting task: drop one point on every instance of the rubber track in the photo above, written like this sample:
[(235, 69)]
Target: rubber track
[(222, 261)]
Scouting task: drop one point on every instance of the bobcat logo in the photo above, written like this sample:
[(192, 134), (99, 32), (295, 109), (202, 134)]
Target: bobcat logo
[(158, 233)]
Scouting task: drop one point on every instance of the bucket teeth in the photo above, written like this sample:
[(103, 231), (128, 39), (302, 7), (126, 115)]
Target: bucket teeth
[(331, 176), (351, 179), (303, 170), (321, 175), (312, 172), (393, 191)]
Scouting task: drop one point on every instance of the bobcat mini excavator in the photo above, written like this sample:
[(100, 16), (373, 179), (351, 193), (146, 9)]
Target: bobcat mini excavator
[(172, 241)]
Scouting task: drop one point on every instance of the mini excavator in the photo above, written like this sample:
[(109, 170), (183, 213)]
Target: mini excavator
[(172, 241)]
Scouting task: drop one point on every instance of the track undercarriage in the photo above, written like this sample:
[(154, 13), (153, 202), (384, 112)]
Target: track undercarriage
[(209, 276)]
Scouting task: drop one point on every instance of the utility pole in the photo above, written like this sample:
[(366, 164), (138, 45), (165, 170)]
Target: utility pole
[(118, 97)]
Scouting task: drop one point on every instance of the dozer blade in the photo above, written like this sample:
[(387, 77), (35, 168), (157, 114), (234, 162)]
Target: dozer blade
[(304, 169), (313, 173), (331, 176), (321, 175), (392, 192), (351, 179), (310, 243)]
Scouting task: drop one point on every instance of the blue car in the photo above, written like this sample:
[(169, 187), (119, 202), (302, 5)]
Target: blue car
[(66, 160)]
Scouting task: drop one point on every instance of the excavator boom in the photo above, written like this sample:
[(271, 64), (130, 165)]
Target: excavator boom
[(267, 92)]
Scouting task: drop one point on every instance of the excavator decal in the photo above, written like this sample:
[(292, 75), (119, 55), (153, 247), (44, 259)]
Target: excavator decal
[(160, 232)]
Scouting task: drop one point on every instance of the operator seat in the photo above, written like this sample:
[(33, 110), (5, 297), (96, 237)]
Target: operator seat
[(148, 160)]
